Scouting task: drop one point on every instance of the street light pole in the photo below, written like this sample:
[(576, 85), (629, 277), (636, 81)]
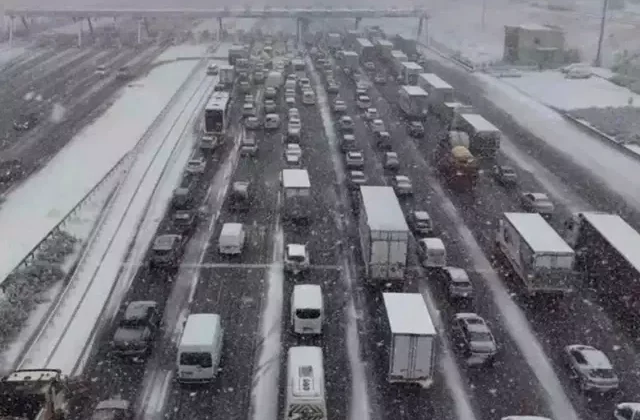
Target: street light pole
[(598, 60), (484, 13)]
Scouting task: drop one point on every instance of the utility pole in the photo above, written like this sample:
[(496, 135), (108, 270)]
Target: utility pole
[(484, 13), (598, 60)]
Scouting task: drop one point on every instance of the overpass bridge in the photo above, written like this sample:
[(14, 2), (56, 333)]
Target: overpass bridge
[(302, 15)]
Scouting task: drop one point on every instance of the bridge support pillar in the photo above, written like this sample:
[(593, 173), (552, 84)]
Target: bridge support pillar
[(12, 27), (24, 22), (298, 35), (90, 26), (358, 19), (220, 29), (139, 31), (80, 25), (147, 27), (420, 28)]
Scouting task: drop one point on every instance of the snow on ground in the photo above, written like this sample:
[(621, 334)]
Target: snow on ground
[(610, 165), (10, 53), (458, 25), (553, 89), (183, 51), (50, 194), (80, 226), (99, 271), (74, 27), (264, 395)]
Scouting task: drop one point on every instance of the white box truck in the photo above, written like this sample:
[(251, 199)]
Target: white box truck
[(414, 102), (274, 79), (396, 59), (334, 41), (384, 48), (485, 137), (607, 257), (440, 92), (411, 339), (351, 61), (227, 76), (384, 236), (540, 258), (410, 72), (449, 113), (365, 49)]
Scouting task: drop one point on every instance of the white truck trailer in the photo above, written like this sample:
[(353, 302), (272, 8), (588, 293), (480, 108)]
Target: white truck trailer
[(485, 137), (365, 49), (411, 339), (608, 257), (334, 41), (540, 258), (440, 92), (449, 113), (396, 58), (410, 72), (383, 48), (384, 236), (414, 102), (351, 61)]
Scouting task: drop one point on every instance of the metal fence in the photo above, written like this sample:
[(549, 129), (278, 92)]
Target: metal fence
[(121, 167)]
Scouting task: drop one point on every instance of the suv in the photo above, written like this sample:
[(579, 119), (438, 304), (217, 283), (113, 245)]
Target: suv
[(591, 368), (457, 283), (421, 223), (183, 195), (123, 73), (416, 129), (505, 175), (239, 197), (471, 334), (166, 251), (185, 221), (137, 329)]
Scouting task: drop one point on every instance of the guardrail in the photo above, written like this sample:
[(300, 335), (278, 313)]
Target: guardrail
[(448, 54), (124, 165), (589, 128), (126, 159)]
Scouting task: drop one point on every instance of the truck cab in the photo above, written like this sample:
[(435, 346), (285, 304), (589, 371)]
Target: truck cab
[(35, 394)]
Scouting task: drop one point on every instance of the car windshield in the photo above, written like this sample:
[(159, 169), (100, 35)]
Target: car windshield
[(107, 414), (133, 323), (480, 336)]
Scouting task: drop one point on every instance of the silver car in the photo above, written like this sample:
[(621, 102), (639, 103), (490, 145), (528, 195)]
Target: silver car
[(591, 368), (473, 337)]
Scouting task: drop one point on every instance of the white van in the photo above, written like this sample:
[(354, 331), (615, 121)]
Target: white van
[(307, 309), (231, 240), (308, 97), (200, 348), (432, 252), (197, 163)]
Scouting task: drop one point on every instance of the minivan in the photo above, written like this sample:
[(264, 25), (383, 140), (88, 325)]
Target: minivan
[(197, 163), (231, 240), (433, 252), (200, 348), (307, 309)]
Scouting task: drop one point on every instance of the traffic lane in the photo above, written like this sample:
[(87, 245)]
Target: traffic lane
[(514, 373), (404, 402), (234, 294), (262, 172), (578, 319), (582, 181), (61, 94), (22, 66), (59, 135), (110, 375), (322, 235), (336, 366), (508, 368), (395, 401)]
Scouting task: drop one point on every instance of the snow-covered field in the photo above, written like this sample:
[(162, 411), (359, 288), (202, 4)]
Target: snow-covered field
[(553, 89), (50, 194), (458, 25)]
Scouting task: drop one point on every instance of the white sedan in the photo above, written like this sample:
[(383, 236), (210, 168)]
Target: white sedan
[(293, 154)]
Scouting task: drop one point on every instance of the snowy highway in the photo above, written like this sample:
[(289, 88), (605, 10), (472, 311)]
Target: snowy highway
[(251, 292)]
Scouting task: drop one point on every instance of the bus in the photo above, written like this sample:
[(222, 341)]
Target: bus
[(216, 120), (305, 384)]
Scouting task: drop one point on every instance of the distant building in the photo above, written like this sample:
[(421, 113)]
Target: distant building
[(541, 45)]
